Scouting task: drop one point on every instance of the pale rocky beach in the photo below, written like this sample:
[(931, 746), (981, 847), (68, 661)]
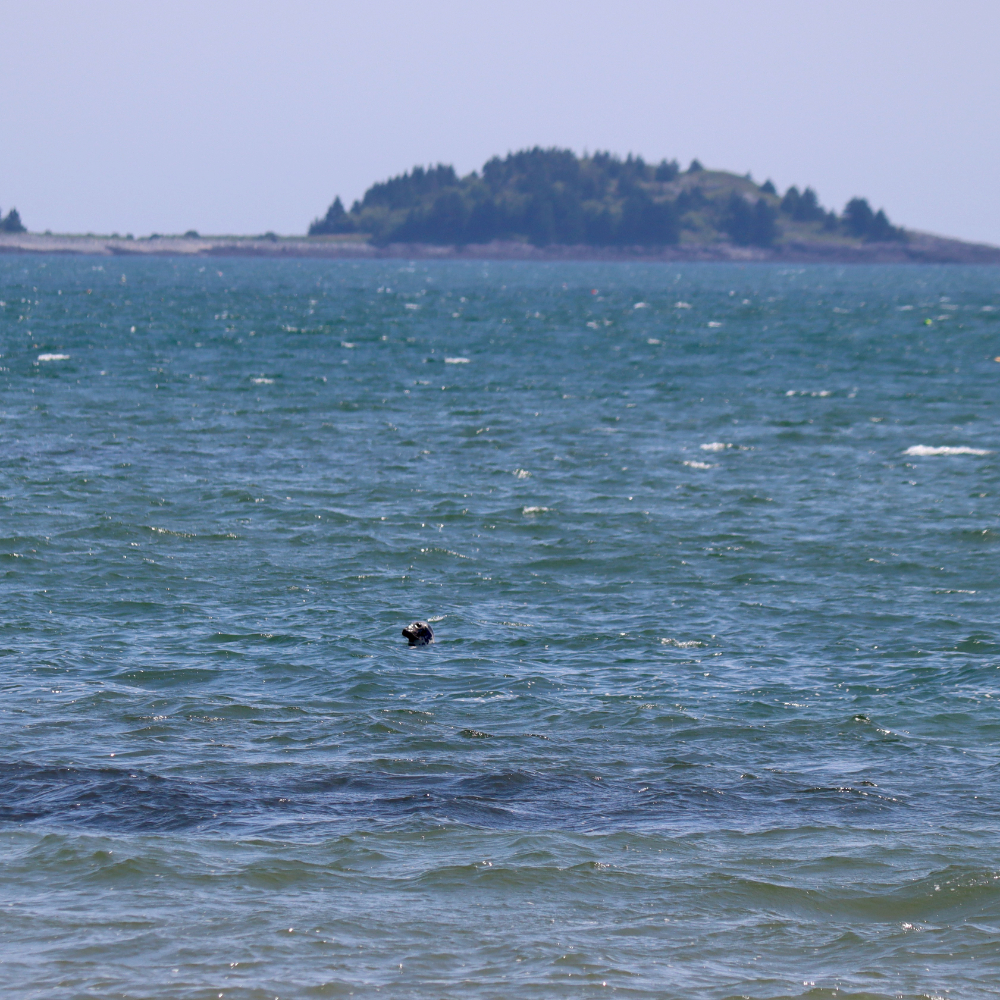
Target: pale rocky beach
[(918, 248)]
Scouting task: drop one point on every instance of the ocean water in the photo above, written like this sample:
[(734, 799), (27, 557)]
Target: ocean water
[(711, 557)]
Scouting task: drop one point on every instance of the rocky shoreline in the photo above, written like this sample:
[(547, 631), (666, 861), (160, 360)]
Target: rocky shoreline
[(919, 248)]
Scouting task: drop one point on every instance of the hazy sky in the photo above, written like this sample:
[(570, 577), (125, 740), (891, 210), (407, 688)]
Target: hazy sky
[(242, 117)]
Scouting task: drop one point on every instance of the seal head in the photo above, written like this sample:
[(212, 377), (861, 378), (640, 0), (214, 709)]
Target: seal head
[(419, 634)]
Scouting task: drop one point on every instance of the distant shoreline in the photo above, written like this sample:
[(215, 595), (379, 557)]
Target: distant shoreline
[(919, 248)]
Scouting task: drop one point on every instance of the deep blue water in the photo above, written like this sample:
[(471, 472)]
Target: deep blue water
[(712, 710)]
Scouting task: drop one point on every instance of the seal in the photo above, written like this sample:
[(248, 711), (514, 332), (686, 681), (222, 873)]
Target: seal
[(419, 634)]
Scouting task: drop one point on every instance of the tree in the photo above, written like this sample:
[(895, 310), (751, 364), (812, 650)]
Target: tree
[(790, 203), (484, 221), (809, 208), (690, 200), (12, 224), (599, 226), (738, 219), (541, 220), (446, 222), (858, 217), (442, 221), (765, 227), (750, 225), (768, 187), (804, 207), (667, 171), (336, 220), (861, 221), (882, 230), (407, 189), (646, 222)]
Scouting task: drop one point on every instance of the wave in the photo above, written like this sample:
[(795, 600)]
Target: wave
[(926, 450), (130, 799)]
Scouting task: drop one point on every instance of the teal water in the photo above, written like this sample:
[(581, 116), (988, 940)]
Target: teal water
[(712, 710)]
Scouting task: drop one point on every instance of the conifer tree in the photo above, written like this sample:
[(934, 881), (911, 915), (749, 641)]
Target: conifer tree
[(750, 225), (336, 220), (12, 224), (858, 217)]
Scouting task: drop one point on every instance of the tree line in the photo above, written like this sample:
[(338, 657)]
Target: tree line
[(553, 196)]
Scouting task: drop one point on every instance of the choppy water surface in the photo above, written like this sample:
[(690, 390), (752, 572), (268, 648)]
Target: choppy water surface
[(711, 557)]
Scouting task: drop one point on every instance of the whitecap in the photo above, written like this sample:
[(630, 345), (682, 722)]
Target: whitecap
[(641, 305), (262, 381), (925, 450), (412, 305), (699, 465), (346, 343), (167, 531), (528, 511), (682, 305), (522, 474), (715, 446), (456, 361), (690, 644), (714, 323), (652, 340), (53, 357)]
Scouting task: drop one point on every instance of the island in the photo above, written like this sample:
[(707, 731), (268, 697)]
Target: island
[(551, 204), (552, 196)]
